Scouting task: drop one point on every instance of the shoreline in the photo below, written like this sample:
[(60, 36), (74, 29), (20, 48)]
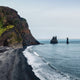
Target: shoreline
[(41, 66), (14, 66)]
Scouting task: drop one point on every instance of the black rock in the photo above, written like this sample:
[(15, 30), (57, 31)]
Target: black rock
[(67, 41), (54, 40)]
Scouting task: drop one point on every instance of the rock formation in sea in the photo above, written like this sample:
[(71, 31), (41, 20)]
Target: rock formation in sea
[(54, 40), (67, 41), (14, 29)]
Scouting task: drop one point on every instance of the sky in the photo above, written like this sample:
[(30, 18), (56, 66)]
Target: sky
[(48, 18)]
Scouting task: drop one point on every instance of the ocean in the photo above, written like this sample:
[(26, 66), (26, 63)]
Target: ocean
[(55, 61)]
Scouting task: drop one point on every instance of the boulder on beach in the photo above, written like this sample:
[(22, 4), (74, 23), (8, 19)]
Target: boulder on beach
[(14, 29), (54, 40)]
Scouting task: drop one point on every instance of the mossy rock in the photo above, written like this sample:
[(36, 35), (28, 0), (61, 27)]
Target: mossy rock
[(3, 29)]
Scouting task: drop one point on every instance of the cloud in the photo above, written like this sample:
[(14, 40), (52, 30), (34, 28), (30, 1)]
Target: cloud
[(49, 17)]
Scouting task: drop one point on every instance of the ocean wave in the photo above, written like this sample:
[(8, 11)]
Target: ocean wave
[(43, 69)]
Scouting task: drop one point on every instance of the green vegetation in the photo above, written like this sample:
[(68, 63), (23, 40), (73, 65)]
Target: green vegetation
[(3, 29)]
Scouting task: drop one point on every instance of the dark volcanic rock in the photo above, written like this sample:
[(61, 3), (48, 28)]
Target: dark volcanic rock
[(67, 41), (14, 29), (54, 40)]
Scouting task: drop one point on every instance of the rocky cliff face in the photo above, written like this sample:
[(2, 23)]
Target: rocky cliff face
[(14, 29)]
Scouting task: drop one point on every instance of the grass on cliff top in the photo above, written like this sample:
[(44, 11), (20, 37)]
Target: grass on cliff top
[(2, 30)]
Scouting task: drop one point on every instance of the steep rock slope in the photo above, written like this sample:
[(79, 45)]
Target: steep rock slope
[(14, 29)]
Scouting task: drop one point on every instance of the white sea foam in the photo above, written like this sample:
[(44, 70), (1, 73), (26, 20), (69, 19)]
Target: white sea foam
[(36, 54), (41, 68)]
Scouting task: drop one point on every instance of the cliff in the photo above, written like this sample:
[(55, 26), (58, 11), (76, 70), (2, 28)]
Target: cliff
[(14, 29)]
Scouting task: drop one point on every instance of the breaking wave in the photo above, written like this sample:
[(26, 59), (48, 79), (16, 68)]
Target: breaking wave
[(43, 69)]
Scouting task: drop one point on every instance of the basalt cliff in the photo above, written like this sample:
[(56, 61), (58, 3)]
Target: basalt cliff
[(14, 29)]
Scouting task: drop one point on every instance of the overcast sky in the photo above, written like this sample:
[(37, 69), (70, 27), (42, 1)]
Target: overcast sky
[(48, 18)]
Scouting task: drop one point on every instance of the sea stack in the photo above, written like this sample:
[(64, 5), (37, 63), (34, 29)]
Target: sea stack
[(54, 40), (67, 41), (14, 29)]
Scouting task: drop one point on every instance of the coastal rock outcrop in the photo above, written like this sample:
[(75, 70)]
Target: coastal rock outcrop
[(14, 29), (54, 40), (67, 41)]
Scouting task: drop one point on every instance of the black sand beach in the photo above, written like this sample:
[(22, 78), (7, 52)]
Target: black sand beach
[(14, 66)]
